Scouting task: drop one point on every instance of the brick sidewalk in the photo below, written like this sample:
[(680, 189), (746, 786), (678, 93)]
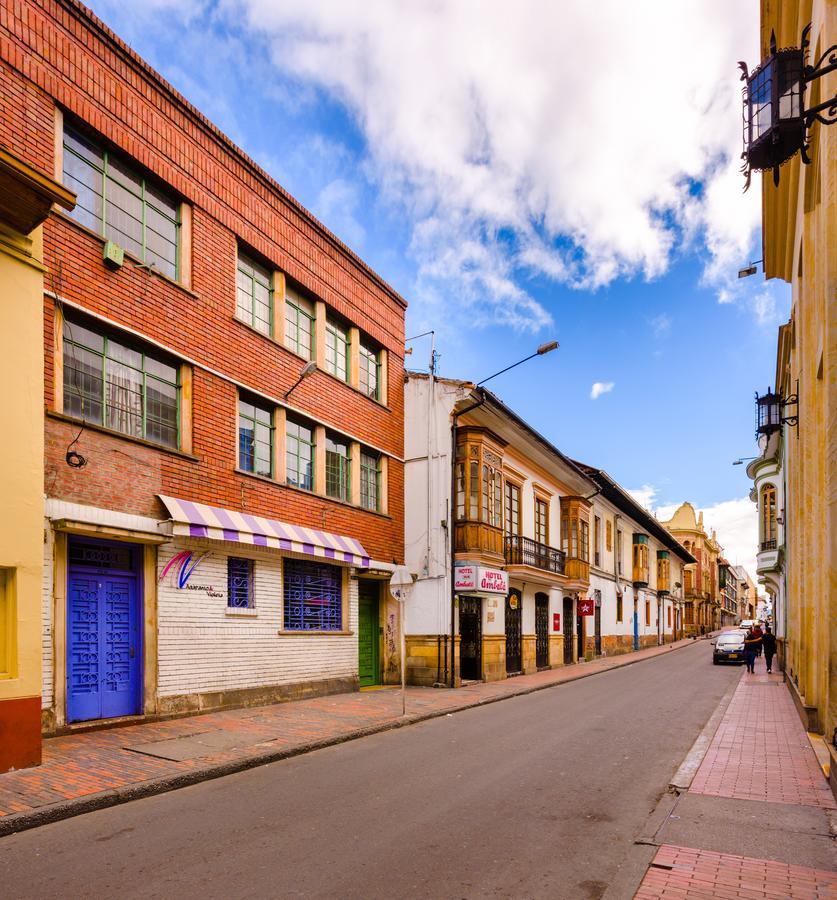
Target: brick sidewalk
[(759, 752), (682, 872), (83, 771)]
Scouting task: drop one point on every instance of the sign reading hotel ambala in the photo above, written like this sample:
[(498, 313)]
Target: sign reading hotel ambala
[(480, 579)]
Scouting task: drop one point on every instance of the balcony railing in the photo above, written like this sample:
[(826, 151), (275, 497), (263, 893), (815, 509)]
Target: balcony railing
[(768, 545), (523, 551)]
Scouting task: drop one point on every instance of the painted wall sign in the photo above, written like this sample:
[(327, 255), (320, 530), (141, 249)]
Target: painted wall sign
[(586, 607), (182, 566), (556, 621)]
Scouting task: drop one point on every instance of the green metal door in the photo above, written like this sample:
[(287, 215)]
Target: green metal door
[(368, 633)]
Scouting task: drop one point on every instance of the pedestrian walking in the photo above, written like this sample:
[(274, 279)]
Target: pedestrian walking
[(751, 644), (768, 643), (759, 634)]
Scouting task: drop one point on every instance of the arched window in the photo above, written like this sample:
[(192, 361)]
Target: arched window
[(768, 517)]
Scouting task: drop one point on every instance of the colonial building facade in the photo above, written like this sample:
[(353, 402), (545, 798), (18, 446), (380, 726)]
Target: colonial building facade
[(796, 473), (223, 391), (701, 589), (525, 559)]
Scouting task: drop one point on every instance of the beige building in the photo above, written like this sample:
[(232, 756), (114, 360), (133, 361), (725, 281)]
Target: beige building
[(701, 592), (796, 478), (26, 197)]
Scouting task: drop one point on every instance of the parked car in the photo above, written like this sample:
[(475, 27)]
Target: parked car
[(728, 647)]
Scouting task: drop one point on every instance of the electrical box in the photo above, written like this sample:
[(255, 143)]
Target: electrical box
[(113, 255)]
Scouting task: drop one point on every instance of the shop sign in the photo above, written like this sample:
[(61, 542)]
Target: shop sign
[(465, 578), (514, 601), (180, 569), (586, 607), (493, 581), (556, 621), (480, 579)]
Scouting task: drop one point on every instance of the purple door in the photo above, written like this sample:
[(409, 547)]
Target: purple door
[(104, 673)]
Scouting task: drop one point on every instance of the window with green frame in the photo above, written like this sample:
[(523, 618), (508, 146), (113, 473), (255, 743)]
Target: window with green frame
[(118, 385), (370, 480), (299, 323), (337, 350), (255, 437), (254, 294), (370, 367), (337, 462), (116, 201), (299, 454)]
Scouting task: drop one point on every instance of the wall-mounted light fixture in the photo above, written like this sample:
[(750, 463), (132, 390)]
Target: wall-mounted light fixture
[(775, 119), (308, 369), (769, 409)]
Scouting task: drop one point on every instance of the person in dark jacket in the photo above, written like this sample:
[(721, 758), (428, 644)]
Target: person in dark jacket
[(758, 633), (752, 642), (768, 644)]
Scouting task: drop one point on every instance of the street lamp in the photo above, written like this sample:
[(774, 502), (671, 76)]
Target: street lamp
[(308, 369), (742, 459), (548, 347), (776, 121), (399, 586)]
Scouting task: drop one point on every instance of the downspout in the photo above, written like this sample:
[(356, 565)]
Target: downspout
[(452, 530)]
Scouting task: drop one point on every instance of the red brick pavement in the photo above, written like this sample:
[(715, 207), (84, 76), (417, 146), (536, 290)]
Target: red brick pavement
[(79, 765), (683, 872), (760, 750)]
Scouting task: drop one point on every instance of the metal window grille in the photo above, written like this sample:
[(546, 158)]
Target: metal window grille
[(116, 201), (313, 596), (370, 476), (299, 455), (254, 295), (119, 387), (240, 583), (255, 438)]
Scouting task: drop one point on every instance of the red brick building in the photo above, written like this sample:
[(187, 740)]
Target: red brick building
[(187, 297)]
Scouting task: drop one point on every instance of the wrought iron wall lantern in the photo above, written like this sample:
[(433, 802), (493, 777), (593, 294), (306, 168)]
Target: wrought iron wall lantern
[(769, 409), (775, 119)]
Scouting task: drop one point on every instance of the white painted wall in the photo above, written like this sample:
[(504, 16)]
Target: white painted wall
[(204, 646)]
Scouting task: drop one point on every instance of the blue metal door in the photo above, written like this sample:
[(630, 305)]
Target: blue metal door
[(104, 675)]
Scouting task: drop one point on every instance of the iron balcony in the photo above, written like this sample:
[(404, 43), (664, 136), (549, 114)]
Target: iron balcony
[(523, 551)]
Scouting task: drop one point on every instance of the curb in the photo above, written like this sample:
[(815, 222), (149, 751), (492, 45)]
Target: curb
[(67, 809), (683, 777)]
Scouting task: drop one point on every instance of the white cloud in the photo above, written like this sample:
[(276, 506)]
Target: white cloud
[(735, 521), (644, 496), (661, 325), (601, 387), (529, 139)]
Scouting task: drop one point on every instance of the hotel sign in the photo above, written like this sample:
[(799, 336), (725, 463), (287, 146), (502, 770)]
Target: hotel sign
[(480, 579)]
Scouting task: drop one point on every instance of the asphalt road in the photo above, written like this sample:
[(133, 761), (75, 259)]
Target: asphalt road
[(537, 796)]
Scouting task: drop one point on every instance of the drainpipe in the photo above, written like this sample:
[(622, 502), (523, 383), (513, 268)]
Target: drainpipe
[(452, 531)]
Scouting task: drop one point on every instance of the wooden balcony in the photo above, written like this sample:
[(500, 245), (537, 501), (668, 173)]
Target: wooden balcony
[(639, 576), (523, 551), (479, 539), (577, 569)]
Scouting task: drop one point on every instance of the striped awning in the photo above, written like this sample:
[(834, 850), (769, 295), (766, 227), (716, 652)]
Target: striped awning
[(199, 520)]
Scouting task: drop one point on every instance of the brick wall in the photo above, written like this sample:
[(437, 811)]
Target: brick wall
[(57, 54)]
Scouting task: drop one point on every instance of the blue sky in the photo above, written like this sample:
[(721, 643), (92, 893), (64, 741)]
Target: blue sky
[(512, 176)]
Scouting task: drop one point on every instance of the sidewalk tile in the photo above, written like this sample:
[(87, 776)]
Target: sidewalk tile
[(755, 879)]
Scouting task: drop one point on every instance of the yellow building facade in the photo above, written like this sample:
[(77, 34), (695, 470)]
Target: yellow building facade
[(26, 197), (800, 247), (701, 590)]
